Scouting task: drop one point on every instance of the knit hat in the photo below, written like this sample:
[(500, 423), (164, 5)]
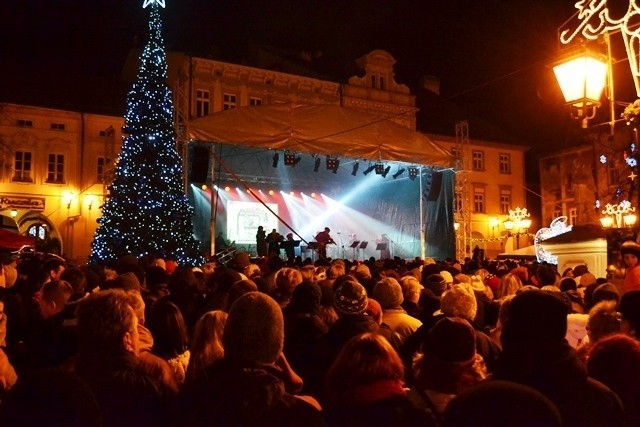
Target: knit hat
[(606, 291), (451, 339), (306, 298), (242, 259), (436, 283), (128, 281), (350, 297), (388, 293), (579, 270), (448, 278), (630, 247), (374, 310), (492, 282), (459, 301), (254, 332), (536, 316)]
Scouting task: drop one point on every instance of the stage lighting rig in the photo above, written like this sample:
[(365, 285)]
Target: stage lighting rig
[(368, 170), (333, 164), (398, 173), (276, 158), (291, 159), (379, 168), (356, 165), (413, 173), (316, 165), (386, 171)]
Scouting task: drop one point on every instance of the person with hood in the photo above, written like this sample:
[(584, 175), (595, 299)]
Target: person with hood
[(535, 353), (248, 387)]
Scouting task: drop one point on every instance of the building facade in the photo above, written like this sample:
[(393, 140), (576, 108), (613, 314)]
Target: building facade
[(56, 164)]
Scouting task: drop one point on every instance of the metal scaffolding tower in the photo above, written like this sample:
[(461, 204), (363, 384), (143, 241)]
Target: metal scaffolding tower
[(462, 207)]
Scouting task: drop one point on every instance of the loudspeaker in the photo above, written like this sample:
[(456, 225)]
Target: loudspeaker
[(436, 186), (199, 164)]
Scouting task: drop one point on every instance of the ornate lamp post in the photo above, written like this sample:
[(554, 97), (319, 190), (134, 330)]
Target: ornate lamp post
[(518, 223)]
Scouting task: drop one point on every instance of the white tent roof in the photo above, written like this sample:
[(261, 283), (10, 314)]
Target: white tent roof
[(320, 129)]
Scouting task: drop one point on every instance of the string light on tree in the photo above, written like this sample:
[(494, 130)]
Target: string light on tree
[(147, 212)]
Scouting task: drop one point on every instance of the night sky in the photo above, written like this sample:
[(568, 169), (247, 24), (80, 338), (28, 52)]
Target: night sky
[(492, 56)]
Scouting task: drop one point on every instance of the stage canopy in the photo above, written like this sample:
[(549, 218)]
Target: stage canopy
[(383, 205), (14, 241), (320, 129)]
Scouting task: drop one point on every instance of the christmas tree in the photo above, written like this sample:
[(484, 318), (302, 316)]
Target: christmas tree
[(147, 211)]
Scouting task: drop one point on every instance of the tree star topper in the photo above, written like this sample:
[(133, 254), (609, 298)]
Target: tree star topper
[(148, 2)]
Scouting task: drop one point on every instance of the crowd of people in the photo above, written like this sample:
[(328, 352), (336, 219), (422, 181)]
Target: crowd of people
[(264, 341)]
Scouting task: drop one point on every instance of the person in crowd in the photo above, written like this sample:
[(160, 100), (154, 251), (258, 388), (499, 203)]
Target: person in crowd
[(535, 353), (170, 337), (448, 365), (411, 289), (388, 293), (501, 403), (509, 285), (630, 252), (365, 387), (603, 320), (460, 301), (286, 281), (206, 344), (54, 341), (629, 308), (289, 248), (303, 329), (261, 242), (51, 397), (615, 361), (108, 362), (246, 387)]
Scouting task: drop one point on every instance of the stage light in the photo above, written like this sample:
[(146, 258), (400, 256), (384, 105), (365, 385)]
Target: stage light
[(271, 192), (333, 164), (356, 165), (313, 195), (413, 173), (204, 187), (386, 171), (227, 188), (379, 168), (316, 166), (276, 157), (292, 193), (368, 170), (398, 173), (290, 159)]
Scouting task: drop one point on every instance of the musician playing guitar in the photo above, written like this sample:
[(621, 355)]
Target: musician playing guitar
[(324, 238)]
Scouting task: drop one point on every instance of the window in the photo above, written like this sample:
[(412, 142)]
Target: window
[(573, 216), (478, 200), (505, 200), (229, 101), (255, 101), (202, 103), (55, 168), (505, 163), (57, 126), (457, 157), (100, 169), (613, 174), (22, 167), (478, 160)]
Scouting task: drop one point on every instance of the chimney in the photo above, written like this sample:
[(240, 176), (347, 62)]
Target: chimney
[(431, 83)]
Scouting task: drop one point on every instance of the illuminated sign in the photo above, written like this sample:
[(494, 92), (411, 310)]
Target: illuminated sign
[(557, 227), (8, 201)]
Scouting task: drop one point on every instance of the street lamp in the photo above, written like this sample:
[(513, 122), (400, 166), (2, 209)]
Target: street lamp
[(518, 223), (582, 78), (618, 216)]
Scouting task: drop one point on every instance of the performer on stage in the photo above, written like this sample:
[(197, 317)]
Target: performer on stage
[(289, 248), (324, 238), (273, 240), (261, 242)]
